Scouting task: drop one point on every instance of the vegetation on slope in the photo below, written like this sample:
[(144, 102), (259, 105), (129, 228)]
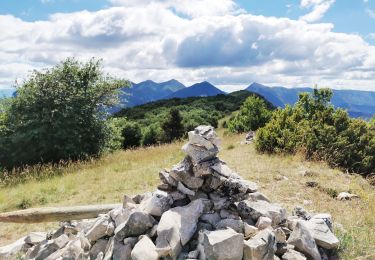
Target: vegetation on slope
[(106, 180), (314, 127)]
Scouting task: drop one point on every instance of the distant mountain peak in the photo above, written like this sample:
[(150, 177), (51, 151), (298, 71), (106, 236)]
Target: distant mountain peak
[(202, 89)]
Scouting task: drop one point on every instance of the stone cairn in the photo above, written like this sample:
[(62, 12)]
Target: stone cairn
[(201, 210)]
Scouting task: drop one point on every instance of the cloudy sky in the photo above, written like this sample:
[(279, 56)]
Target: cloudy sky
[(229, 43)]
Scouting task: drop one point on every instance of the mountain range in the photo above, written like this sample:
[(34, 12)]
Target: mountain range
[(357, 103)]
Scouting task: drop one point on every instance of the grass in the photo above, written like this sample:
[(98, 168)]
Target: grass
[(135, 171)]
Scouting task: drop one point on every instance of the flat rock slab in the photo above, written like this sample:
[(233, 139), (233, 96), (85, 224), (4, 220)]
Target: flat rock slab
[(261, 208), (137, 224), (261, 246)]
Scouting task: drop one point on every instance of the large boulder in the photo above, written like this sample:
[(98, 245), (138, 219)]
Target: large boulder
[(223, 244), (183, 172), (157, 204), (261, 208), (261, 246), (303, 241), (144, 250), (322, 234), (103, 226), (177, 226), (137, 224)]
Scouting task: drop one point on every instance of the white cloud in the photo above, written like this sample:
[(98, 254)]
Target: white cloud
[(318, 9), (371, 13), (154, 40)]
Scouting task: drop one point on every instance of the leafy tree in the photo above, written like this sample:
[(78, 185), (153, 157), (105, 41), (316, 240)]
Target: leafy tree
[(321, 132), (172, 126), (58, 114), (132, 135), (253, 114), (151, 135)]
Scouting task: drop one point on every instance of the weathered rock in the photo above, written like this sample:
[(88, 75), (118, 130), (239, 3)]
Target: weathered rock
[(322, 234), (177, 195), (235, 224), (224, 213), (119, 215), (220, 245), (6, 252), (300, 212), (346, 196), (254, 196), (137, 224), (166, 178), (184, 190), (183, 172), (326, 217), (144, 250), (52, 246), (99, 246), (177, 226), (261, 246), (118, 250), (237, 188), (291, 254), (249, 230), (211, 218), (35, 237), (263, 223), (199, 153), (219, 202), (223, 169), (303, 241), (256, 209), (157, 204), (204, 168), (103, 226), (280, 235), (207, 133)]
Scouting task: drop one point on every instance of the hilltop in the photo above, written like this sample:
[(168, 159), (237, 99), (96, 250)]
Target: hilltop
[(135, 171)]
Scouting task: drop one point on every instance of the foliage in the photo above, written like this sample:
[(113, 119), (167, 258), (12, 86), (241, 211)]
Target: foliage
[(172, 126), (131, 134), (253, 114), (194, 111), (321, 132), (58, 114)]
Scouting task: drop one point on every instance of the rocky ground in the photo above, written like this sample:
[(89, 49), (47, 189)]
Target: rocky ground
[(201, 210)]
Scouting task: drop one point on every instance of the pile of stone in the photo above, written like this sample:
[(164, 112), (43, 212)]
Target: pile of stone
[(250, 137), (201, 210)]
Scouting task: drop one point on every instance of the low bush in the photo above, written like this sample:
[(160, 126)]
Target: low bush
[(321, 132)]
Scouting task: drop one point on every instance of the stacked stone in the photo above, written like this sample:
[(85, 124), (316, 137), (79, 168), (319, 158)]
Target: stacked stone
[(201, 210)]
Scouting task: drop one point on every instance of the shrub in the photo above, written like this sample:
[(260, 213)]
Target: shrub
[(252, 115), (58, 114), (313, 126), (151, 135), (132, 135)]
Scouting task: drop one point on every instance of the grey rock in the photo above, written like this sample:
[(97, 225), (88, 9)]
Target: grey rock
[(221, 245), (103, 226), (326, 217), (303, 241), (52, 246), (219, 201), (99, 246), (144, 250), (184, 190), (177, 226), (207, 133), (199, 153), (35, 237), (235, 224), (300, 212), (193, 254), (223, 169), (322, 234), (237, 188), (119, 215), (263, 223), (280, 235), (249, 230), (6, 252), (166, 178), (204, 168), (183, 172), (347, 196), (176, 195), (257, 209), (257, 196), (291, 254), (211, 218), (261, 246), (157, 204), (137, 224), (224, 213)]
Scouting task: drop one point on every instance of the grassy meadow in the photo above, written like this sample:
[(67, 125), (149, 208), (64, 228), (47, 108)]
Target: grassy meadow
[(134, 171)]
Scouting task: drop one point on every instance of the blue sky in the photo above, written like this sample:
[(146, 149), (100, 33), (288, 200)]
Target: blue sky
[(230, 43)]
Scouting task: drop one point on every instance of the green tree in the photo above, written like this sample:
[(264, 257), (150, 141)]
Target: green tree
[(151, 135), (58, 114), (172, 127), (132, 135), (253, 114)]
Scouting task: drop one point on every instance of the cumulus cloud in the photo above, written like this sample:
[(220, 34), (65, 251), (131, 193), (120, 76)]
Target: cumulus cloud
[(158, 40), (318, 9)]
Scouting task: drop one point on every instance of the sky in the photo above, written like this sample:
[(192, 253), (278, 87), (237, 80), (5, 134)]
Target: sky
[(292, 43)]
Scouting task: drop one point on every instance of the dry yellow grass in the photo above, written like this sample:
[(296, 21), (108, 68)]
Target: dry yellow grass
[(131, 172)]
